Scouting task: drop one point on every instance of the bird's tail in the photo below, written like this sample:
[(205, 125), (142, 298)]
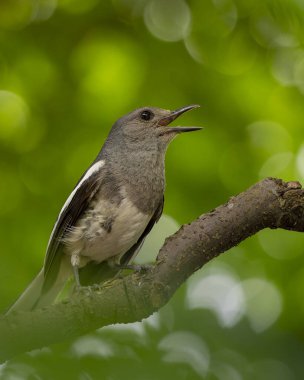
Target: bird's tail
[(34, 296)]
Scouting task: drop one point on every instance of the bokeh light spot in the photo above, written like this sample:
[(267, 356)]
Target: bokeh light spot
[(288, 67), (185, 347), (219, 292), (271, 369), (168, 20), (224, 371), (269, 136), (263, 303), (138, 329), (268, 33), (276, 164), (194, 50), (235, 55), (110, 72), (43, 9), (299, 73), (228, 12), (165, 227), (91, 346), (38, 73), (282, 244), (15, 14), (300, 161), (13, 115)]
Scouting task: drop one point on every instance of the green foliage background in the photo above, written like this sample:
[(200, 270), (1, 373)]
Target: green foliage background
[(68, 70)]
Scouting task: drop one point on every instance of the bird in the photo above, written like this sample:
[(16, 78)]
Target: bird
[(114, 205)]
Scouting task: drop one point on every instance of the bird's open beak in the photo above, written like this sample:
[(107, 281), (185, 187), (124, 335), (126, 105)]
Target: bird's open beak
[(175, 114)]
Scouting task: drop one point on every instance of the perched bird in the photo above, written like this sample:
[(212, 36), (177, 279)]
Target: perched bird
[(112, 208)]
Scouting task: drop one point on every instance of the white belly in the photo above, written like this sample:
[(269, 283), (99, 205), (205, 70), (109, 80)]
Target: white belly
[(106, 231)]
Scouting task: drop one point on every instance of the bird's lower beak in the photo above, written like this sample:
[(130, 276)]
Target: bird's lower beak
[(174, 115)]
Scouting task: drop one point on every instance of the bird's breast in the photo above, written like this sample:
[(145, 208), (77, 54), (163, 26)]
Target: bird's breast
[(106, 230)]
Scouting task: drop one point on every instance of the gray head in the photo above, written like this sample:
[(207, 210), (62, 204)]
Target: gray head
[(135, 153), (149, 126)]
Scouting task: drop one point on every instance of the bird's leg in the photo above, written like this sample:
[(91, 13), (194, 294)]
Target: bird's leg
[(75, 261), (76, 276)]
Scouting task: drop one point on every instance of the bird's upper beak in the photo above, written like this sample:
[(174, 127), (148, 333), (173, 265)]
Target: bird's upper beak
[(175, 114)]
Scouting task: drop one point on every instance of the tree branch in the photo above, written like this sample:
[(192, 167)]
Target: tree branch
[(269, 203)]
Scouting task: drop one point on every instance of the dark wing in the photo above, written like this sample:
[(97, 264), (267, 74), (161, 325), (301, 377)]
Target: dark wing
[(94, 273), (74, 207)]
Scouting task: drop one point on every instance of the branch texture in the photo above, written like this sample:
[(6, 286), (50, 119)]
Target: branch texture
[(270, 203)]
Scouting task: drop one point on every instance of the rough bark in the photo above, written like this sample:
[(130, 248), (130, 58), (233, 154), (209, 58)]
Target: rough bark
[(270, 203)]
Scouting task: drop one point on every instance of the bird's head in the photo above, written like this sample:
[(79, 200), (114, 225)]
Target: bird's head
[(150, 125)]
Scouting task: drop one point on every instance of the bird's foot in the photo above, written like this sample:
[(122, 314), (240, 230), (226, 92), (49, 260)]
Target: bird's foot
[(86, 290), (136, 267)]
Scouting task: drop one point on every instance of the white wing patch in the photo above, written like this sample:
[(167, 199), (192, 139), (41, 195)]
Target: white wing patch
[(93, 169)]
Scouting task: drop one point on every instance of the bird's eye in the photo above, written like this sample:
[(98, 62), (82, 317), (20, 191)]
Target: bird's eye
[(146, 115)]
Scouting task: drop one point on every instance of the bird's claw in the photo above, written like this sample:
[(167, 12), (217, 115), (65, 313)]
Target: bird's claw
[(137, 267)]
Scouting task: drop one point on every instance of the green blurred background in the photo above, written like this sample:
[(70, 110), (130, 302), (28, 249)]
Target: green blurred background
[(68, 70)]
